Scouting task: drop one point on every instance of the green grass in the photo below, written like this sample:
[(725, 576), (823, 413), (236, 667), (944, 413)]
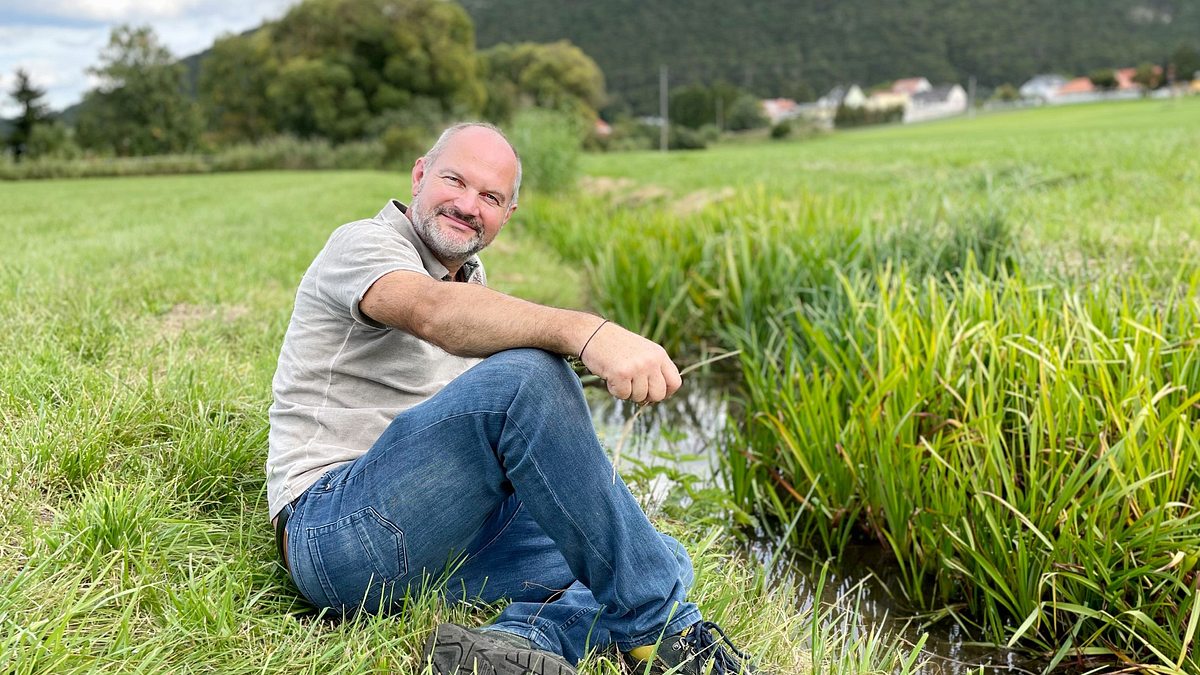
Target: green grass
[(142, 320), (971, 341)]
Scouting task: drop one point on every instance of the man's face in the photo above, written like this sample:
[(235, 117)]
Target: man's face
[(464, 197)]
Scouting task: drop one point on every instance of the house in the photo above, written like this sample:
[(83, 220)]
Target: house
[(1042, 87), (1078, 89), (935, 103), (1125, 78), (825, 109), (1079, 85), (1082, 90), (883, 100), (851, 97), (911, 85), (780, 109)]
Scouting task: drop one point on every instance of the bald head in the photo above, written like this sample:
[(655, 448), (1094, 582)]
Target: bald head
[(484, 136)]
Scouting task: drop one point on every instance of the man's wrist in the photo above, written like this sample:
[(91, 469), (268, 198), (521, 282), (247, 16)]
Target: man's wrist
[(590, 338)]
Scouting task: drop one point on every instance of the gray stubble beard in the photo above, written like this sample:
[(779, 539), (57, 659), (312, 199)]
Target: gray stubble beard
[(446, 249)]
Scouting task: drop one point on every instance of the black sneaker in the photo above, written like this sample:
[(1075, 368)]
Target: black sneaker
[(695, 651), (454, 650)]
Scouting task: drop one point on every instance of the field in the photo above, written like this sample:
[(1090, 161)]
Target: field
[(971, 341), (142, 321)]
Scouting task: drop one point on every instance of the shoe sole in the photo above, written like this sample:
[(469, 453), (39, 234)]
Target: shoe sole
[(453, 650)]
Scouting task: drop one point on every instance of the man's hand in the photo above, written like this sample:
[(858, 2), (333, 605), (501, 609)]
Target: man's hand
[(635, 368)]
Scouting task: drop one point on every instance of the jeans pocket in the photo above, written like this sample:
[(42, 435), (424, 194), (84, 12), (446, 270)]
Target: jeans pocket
[(357, 558)]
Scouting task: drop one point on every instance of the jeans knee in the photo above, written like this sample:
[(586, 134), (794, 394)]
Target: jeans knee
[(686, 573), (535, 365)]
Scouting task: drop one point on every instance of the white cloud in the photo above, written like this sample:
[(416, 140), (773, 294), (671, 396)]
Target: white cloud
[(118, 11), (57, 40)]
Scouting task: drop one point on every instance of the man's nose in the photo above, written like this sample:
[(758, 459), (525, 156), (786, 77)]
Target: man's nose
[(467, 203)]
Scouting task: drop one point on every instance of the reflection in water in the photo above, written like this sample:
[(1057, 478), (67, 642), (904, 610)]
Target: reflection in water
[(683, 431), (861, 583)]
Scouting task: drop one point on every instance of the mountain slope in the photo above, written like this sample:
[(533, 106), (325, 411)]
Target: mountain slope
[(793, 47)]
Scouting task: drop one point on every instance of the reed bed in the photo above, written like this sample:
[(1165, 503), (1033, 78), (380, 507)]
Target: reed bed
[(947, 364)]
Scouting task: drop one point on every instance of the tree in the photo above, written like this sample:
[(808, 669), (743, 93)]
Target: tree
[(1186, 62), (746, 113), (1103, 78), (33, 112), (1148, 75), (343, 63), (233, 83), (53, 140), (139, 107), (556, 76), (692, 106), (1006, 93)]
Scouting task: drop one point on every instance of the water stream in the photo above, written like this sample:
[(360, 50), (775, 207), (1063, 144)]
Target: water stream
[(682, 433)]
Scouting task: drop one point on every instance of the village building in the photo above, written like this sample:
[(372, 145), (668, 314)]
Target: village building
[(780, 109), (1042, 87), (911, 85), (850, 96), (887, 99), (945, 100)]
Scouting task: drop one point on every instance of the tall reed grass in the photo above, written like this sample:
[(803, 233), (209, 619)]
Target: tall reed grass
[(1023, 438)]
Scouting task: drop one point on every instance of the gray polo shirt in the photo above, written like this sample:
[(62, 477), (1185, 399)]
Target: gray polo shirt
[(342, 377)]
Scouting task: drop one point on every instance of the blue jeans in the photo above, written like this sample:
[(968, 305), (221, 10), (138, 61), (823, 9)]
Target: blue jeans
[(500, 481)]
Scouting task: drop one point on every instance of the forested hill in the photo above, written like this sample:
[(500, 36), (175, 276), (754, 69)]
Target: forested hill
[(792, 47)]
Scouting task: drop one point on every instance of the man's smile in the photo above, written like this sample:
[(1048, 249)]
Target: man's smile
[(460, 221)]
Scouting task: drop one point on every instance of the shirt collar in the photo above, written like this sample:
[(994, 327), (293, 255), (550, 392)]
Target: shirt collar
[(396, 215)]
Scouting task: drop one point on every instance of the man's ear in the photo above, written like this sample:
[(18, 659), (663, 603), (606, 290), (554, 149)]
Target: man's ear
[(418, 174), (508, 215)]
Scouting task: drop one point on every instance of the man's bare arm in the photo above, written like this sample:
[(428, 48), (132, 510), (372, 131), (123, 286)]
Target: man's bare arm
[(471, 320)]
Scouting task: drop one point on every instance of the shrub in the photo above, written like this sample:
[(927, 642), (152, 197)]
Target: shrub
[(746, 113), (280, 152), (683, 138), (1103, 78), (781, 130), (52, 140), (1006, 93), (549, 143), (857, 117)]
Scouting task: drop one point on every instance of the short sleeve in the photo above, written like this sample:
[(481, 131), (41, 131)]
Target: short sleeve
[(355, 257)]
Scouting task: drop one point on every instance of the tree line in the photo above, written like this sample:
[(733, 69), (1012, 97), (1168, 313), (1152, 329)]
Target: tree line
[(336, 70), (801, 48)]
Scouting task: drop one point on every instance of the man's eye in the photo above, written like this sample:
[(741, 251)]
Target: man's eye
[(492, 199), (453, 180)]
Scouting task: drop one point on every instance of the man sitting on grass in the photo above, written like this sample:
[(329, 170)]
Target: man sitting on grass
[(422, 420)]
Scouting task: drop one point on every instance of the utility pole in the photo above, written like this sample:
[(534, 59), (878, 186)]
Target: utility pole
[(662, 107), (971, 97)]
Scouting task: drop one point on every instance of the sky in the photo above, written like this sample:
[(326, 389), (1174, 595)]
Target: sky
[(56, 41)]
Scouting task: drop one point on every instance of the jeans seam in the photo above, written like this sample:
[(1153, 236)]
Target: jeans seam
[(293, 546), (537, 468), (497, 536), (528, 631), (570, 621), (354, 472), (680, 621)]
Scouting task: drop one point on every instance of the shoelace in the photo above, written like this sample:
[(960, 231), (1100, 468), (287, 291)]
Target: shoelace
[(701, 641)]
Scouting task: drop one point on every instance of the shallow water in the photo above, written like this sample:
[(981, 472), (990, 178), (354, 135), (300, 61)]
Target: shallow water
[(682, 433)]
